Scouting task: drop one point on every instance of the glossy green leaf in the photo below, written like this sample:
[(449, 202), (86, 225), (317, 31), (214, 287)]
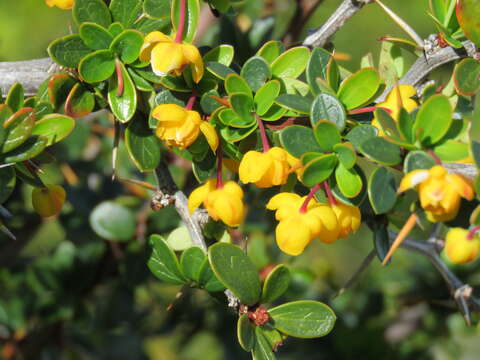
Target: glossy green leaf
[(191, 263), (208, 102), (234, 83), (125, 105), (360, 134), (348, 181), (97, 66), (192, 16), (291, 63), (387, 123), (174, 83), (147, 25), (298, 140), (157, 9), (327, 135), (96, 37), (417, 160), (222, 54), (295, 103), (95, 11), (54, 127), (359, 88), (319, 170), (113, 221), (452, 151), (231, 134), (271, 50), (382, 151), (231, 118), (18, 128), (262, 350), (346, 154), (327, 107), (274, 113), (5, 113), (256, 72), (265, 96), (127, 12), (142, 145), (276, 283), (317, 68), (59, 87), (68, 50), (382, 190), (127, 45), (243, 105), (433, 120), (333, 74), (219, 70), (179, 239), (8, 180), (381, 241), (208, 279), (295, 87), (303, 319), (33, 146), (80, 101), (15, 97), (163, 263), (236, 271), (245, 333), (115, 28), (465, 77), (43, 108)]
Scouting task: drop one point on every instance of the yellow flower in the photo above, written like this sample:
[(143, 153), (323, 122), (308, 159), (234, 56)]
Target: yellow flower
[(398, 97), (180, 127), (439, 191), (167, 56), (48, 201), (224, 203), (458, 248), (297, 229), (62, 4), (349, 218), (265, 169)]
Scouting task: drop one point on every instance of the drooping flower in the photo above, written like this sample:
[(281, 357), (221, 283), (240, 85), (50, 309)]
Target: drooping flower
[(61, 4), (266, 169), (297, 228), (440, 192), (459, 248), (167, 56), (180, 127), (349, 218), (223, 203), (48, 201)]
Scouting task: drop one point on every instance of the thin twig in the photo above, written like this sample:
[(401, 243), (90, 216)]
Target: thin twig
[(363, 266)]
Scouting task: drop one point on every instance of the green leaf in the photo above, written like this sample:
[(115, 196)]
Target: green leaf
[(18, 128), (147, 25), (179, 239), (113, 221), (231, 118), (236, 271), (317, 68), (452, 151), (291, 63), (319, 170), (68, 50), (465, 77), (381, 241), (382, 151), (54, 127), (163, 263), (417, 160), (29, 149), (405, 125), (276, 284), (359, 134), (359, 88), (388, 125), (298, 140), (346, 154), (333, 74), (382, 190), (59, 87), (243, 105), (125, 105), (80, 102), (127, 12), (327, 107), (91, 11), (97, 66), (208, 279), (262, 350), (96, 37), (43, 108), (256, 72), (303, 319), (245, 333), (142, 145), (231, 134), (234, 83), (349, 181), (15, 97), (219, 70), (115, 28), (271, 50), (433, 120), (127, 45), (157, 9), (8, 180), (174, 83), (191, 263), (274, 113), (327, 135), (265, 96), (209, 104), (222, 54), (295, 103), (192, 15)]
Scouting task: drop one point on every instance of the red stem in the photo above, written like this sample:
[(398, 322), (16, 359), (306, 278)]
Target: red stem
[(118, 69), (309, 197), (263, 134), (219, 166), (191, 101), (367, 109), (181, 23), (331, 199), (471, 233), (435, 157)]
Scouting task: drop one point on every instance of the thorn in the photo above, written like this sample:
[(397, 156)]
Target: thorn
[(7, 232), (406, 229)]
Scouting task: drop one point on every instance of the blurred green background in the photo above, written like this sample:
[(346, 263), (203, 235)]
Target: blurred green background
[(67, 294)]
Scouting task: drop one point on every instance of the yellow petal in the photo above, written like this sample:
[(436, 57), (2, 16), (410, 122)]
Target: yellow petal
[(282, 199), (198, 196), (150, 41), (331, 228), (193, 56), (210, 134), (458, 248), (292, 236), (412, 179), (166, 57), (233, 189), (169, 112), (253, 166), (462, 185)]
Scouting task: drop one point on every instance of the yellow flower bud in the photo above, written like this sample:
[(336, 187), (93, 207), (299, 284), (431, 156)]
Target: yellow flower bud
[(48, 201), (167, 56), (297, 229), (458, 248), (61, 4), (349, 218), (266, 169), (225, 203), (440, 192), (180, 127)]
